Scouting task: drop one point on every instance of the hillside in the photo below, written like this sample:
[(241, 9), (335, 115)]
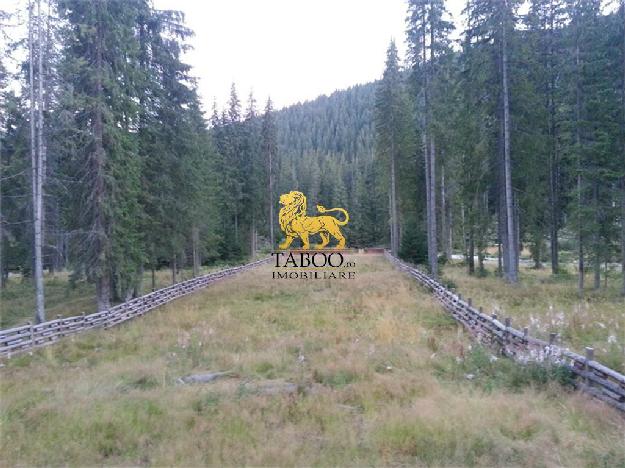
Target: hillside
[(341, 124)]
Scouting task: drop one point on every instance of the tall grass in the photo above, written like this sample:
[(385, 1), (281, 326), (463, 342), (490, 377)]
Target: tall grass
[(381, 373), (547, 304)]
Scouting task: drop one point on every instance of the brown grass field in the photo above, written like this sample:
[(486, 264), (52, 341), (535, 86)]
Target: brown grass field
[(383, 377)]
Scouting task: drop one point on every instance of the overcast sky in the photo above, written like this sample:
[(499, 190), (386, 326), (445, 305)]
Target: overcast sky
[(293, 50)]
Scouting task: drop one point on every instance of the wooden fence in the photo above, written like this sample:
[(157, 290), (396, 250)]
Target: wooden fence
[(590, 376), (26, 337)]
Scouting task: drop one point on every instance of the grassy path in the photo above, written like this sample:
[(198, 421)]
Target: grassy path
[(385, 377)]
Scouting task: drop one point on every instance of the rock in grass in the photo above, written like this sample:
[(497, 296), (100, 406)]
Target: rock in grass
[(272, 388), (204, 378)]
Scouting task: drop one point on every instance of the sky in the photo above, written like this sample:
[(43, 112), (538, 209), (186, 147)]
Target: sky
[(291, 50)]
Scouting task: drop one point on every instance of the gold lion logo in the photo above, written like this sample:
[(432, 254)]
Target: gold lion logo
[(295, 223)]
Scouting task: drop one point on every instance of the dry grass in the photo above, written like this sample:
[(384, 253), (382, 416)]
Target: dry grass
[(381, 370), (545, 304)]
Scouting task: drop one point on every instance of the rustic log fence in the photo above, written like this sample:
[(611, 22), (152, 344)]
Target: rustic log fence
[(589, 375), (29, 336)]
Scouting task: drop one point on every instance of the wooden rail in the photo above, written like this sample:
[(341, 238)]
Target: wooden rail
[(27, 337), (590, 376)]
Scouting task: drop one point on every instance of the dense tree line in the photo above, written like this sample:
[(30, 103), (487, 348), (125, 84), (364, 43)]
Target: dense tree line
[(513, 137), (521, 132), (123, 167)]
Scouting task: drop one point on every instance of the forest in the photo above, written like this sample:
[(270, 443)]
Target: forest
[(508, 140)]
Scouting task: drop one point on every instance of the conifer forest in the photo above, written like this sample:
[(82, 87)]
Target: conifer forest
[(502, 138)]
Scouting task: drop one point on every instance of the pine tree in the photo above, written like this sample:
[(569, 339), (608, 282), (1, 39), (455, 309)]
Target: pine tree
[(270, 153), (428, 37)]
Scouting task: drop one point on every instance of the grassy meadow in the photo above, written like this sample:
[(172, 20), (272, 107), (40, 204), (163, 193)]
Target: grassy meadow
[(547, 303), (345, 372)]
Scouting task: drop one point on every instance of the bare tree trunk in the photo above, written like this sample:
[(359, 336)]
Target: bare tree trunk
[(195, 241), (428, 183), (554, 159), (36, 179), (2, 281), (445, 218), (578, 105), (433, 250), (153, 278), (464, 230), (511, 234), (41, 148), (471, 253), (595, 236), (174, 267), (623, 229), (429, 153), (271, 220), (502, 228), (623, 178), (394, 222), (102, 273), (138, 286), (253, 239)]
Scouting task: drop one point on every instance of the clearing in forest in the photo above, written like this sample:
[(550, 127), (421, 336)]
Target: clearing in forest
[(363, 371)]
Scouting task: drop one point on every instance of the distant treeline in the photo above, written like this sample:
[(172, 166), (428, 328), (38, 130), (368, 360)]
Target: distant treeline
[(515, 137)]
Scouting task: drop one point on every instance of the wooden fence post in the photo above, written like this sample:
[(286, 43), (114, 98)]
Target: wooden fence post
[(552, 338), (590, 356), (32, 333), (506, 334)]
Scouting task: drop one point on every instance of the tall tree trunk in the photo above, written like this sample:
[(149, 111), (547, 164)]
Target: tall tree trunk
[(464, 230), (138, 286), (429, 150), (41, 148), (2, 281), (433, 250), (471, 253), (578, 143), (445, 221), (253, 238), (596, 240), (510, 225), (623, 154), (195, 241), (554, 163), (394, 221), (36, 178), (102, 273), (174, 267), (270, 188), (623, 229)]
